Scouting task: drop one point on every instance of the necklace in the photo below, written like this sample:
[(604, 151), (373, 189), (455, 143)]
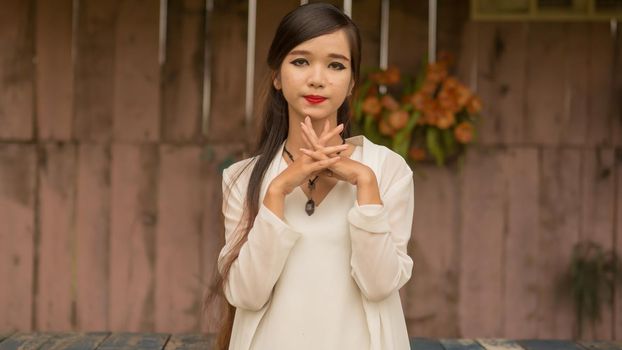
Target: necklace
[(310, 205)]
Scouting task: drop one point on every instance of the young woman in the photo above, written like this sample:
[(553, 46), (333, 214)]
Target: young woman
[(317, 222)]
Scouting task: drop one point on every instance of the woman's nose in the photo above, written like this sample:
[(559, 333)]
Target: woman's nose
[(316, 78)]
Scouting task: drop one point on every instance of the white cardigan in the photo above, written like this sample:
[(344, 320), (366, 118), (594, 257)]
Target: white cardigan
[(380, 263)]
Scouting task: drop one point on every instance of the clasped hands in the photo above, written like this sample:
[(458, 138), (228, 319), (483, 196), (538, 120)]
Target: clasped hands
[(319, 159)]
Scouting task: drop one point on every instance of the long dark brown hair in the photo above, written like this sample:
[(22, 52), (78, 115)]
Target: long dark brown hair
[(304, 23)]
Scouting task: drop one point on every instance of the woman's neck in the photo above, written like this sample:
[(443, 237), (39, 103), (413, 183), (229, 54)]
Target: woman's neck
[(294, 134)]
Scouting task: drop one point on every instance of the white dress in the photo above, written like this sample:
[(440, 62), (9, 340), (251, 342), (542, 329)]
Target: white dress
[(322, 257), (329, 283)]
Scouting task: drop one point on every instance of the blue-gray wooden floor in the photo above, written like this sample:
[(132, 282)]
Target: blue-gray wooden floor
[(164, 341)]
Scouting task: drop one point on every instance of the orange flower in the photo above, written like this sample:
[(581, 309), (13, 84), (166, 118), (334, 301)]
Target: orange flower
[(445, 119), (462, 94), (450, 83), (419, 99), (464, 132), (431, 111), (388, 102), (446, 57), (428, 87), (474, 105), (385, 128), (436, 71), (371, 105), (417, 153), (447, 101), (398, 119), (386, 77), (392, 75)]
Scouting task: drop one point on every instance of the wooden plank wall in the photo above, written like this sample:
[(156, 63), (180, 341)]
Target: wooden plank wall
[(110, 185)]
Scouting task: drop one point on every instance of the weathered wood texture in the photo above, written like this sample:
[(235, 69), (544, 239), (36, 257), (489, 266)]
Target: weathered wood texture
[(182, 71), (137, 72), (16, 70), (56, 193), (54, 69), (133, 224), (18, 174), (110, 185), (228, 51)]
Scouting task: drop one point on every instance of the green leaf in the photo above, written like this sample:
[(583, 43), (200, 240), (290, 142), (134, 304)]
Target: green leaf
[(449, 143), (401, 141), (433, 144)]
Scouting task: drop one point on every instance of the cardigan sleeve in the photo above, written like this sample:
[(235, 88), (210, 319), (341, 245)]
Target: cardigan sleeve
[(379, 236), (262, 257)]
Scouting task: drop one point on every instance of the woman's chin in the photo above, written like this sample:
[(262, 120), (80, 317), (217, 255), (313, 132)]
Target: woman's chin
[(316, 114)]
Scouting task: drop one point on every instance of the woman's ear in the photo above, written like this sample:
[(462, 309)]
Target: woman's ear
[(351, 87), (276, 81)]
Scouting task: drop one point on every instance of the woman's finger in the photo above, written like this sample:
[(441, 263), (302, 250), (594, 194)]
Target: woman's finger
[(323, 164), (324, 152), (308, 130), (312, 137), (325, 137), (306, 140)]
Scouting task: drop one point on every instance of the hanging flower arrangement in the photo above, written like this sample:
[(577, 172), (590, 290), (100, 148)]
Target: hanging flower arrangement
[(433, 118)]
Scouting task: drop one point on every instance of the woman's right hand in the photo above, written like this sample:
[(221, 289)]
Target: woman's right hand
[(303, 168)]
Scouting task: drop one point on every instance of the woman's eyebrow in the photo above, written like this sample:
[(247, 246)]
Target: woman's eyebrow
[(331, 55)]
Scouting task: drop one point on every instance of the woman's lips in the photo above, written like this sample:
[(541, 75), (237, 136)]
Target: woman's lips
[(314, 99)]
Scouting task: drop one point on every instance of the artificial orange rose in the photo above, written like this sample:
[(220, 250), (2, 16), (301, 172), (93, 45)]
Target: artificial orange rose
[(450, 83), (464, 132), (418, 99), (445, 119), (462, 95), (385, 128), (428, 87), (388, 102), (392, 75), (398, 119), (447, 101), (389, 76), (474, 105), (431, 111), (436, 71), (417, 153), (377, 77), (446, 57), (371, 105)]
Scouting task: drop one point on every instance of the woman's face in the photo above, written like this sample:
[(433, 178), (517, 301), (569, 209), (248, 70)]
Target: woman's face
[(316, 76)]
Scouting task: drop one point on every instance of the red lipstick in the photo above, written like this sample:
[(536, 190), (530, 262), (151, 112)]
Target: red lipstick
[(315, 99)]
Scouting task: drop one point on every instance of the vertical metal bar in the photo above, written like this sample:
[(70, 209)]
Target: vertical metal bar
[(207, 69), (347, 7), (384, 34), (250, 61), (432, 31), (163, 20), (384, 39)]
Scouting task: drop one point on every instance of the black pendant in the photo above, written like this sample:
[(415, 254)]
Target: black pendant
[(310, 207)]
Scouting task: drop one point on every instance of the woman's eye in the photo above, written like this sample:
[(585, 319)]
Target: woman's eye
[(337, 66), (299, 62)]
